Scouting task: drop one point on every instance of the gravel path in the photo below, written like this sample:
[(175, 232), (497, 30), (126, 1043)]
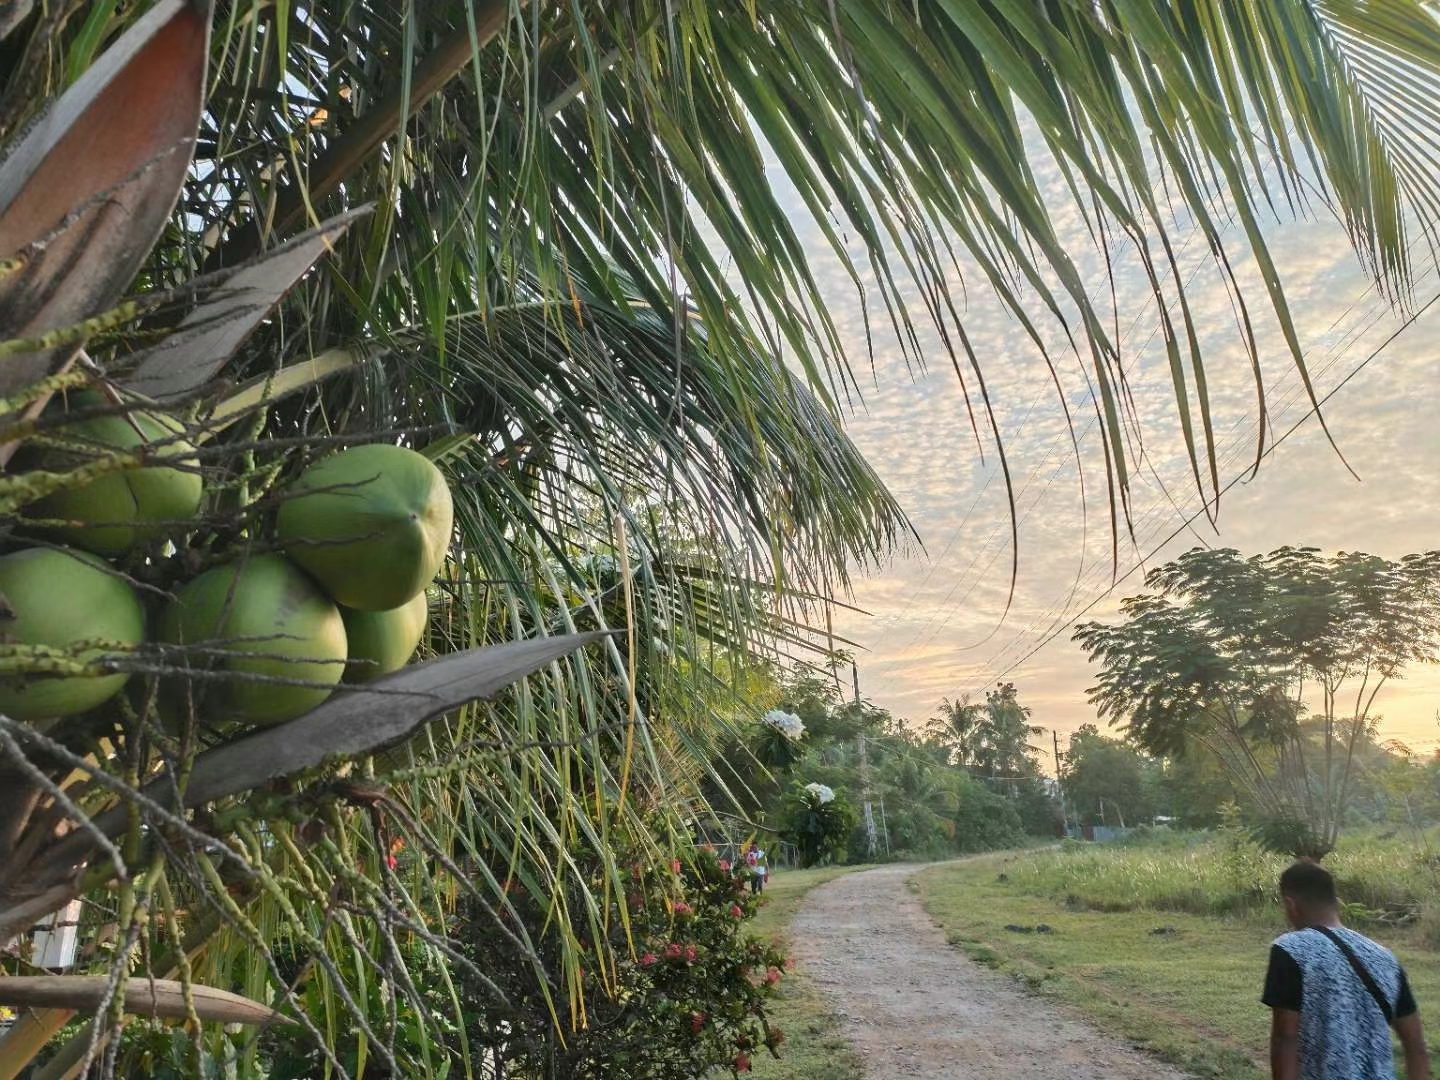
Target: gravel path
[(915, 1007)]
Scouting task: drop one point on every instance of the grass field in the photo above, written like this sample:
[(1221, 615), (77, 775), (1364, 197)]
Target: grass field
[(813, 1048), (1166, 944)]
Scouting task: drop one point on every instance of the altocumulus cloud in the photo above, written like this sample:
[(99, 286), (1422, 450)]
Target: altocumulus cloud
[(942, 622)]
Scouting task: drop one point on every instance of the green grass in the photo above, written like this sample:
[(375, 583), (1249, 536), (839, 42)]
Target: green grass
[(813, 1048), (1189, 993)]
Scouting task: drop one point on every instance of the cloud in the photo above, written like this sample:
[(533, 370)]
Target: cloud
[(945, 622)]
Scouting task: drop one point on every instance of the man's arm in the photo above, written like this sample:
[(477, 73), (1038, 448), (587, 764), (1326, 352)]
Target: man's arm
[(1412, 1041), (1285, 1045)]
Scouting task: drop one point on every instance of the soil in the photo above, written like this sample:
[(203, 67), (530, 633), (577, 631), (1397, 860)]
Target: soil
[(913, 1006)]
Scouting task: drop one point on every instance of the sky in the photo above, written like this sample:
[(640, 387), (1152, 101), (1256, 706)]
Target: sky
[(933, 623)]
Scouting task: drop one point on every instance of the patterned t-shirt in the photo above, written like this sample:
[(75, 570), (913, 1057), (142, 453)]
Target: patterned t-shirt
[(1343, 1034)]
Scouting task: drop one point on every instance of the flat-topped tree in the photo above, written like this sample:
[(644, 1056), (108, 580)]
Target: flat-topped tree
[(1270, 663)]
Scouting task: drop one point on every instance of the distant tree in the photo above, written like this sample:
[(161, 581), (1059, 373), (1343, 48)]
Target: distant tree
[(957, 728), (990, 740), (1108, 781), (1192, 787), (1270, 663)]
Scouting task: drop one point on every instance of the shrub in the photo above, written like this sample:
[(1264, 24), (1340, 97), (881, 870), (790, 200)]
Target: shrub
[(685, 993), (817, 821), (671, 984)]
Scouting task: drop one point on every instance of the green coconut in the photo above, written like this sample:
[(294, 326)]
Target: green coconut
[(273, 622), (371, 524), (120, 510), (62, 599), (382, 641)]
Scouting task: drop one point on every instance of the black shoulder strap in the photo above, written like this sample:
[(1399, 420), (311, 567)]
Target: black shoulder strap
[(1361, 970)]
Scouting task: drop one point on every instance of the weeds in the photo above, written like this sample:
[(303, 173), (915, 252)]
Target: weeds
[(1382, 877)]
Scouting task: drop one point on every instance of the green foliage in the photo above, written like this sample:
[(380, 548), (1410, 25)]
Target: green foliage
[(817, 821), (925, 803), (1251, 660), (775, 749), (591, 376), (992, 739), (985, 820), (1226, 872), (674, 985), (1106, 781)]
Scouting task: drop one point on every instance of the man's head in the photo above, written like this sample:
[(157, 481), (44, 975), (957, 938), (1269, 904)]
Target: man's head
[(1308, 892)]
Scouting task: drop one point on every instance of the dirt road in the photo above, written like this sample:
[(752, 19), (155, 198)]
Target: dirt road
[(916, 1007)]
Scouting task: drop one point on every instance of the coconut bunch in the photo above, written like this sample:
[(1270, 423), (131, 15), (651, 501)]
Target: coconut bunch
[(327, 584)]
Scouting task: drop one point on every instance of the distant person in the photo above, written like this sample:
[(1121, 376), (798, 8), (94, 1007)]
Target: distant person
[(1334, 994), (755, 863)]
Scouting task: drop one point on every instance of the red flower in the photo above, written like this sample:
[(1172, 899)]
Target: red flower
[(735, 911), (724, 864), (772, 975), (390, 861), (776, 1037), (673, 951), (675, 865), (682, 908), (690, 954), (742, 1062), (697, 1021), (648, 959)]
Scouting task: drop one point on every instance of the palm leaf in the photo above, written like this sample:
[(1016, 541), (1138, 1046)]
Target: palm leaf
[(85, 194)]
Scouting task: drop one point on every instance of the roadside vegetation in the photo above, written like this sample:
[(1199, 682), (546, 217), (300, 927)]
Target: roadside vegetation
[(968, 782), (1162, 940)]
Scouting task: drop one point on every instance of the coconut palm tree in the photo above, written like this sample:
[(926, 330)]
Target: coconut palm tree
[(581, 286)]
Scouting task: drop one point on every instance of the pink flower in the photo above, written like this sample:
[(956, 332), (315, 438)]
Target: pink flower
[(682, 908), (390, 861), (724, 864), (675, 865), (772, 975), (673, 951), (735, 911), (648, 959), (742, 1062), (690, 954)]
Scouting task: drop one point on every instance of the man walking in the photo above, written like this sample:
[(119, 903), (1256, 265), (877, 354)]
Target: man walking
[(1334, 994)]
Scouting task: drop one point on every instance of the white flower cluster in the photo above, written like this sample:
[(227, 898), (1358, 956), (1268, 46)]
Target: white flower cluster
[(790, 724), (822, 793)]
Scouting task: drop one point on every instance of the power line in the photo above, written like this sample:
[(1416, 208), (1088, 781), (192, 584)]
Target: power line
[(1359, 327), (1239, 477), (1060, 609)]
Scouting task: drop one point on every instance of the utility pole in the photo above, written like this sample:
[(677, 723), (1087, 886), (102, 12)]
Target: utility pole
[(872, 841), (1064, 817)]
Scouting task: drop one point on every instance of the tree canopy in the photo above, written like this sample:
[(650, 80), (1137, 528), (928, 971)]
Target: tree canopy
[(1271, 663), (1106, 781)]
